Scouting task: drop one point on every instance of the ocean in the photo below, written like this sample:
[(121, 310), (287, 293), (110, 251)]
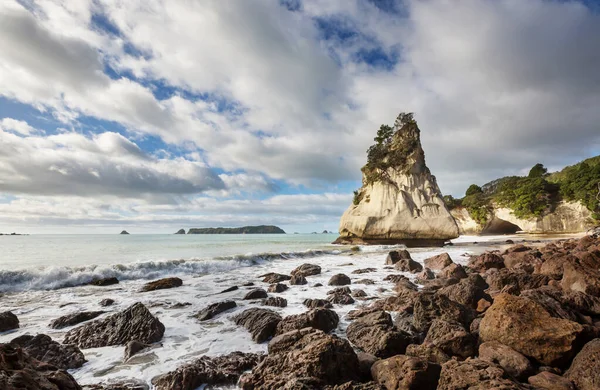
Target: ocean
[(36, 272)]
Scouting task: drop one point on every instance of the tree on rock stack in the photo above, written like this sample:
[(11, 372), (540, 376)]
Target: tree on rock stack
[(399, 201)]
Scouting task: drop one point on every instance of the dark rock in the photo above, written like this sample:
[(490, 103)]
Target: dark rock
[(429, 307), (359, 293), (74, 319), (275, 301), (521, 280), (44, 349), (104, 282), (452, 338), (230, 289), (18, 370), (526, 327), (468, 291), (273, 277), (408, 265), (475, 374), (455, 271), (395, 256), (107, 302), (261, 323), (339, 280), (429, 352), (585, 369), (307, 270), (438, 262), (426, 274), (162, 284), (306, 356), (180, 231), (134, 323), (277, 288), (248, 284), (128, 384), (340, 290), (213, 371), (8, 321), (320, 318), (314, 303), (514, 363), (406, 372), (356, 386), (365, 281), (341, 299), (365, 362), (298, 280), (133, 347), (374, 333), (396, 278), (549, 381), (213, 309), (257, 293), (318, 285), (363, 271), (486, 261)]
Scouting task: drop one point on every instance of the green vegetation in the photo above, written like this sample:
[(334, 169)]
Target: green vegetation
[(538, 170), (261, 229), (582, 182)]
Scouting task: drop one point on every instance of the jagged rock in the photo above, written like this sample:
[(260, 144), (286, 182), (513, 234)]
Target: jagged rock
[(475, 374), (74, 319), (579, 277), (277, 288), (314, 303), (18, 370), (44, 349), (408, 265), (486, 261), (341, 299), (438, 262), (553, 265), (395, 256), (8, 321), (374, 333), (406, 372), (527, 328), (104, 282), (257, 293), (275, 301), (298, 280), (213, 371), (364, 270), (544, 297), (133, 347), (306, 270), (365, 362), (510, 360), (453, 271), (395, 278), (339, 280), (548, 381), (273, 277), (261, 323), (428, 307), (402, 202), (359, 293), (162, 284), (468, 291), (214, 309), (519, 279), (134, 323), (429, 352), (585, 368), (320, 318), (229, 289), (426, 274), (452, 338), (306, 356), (107, 302)]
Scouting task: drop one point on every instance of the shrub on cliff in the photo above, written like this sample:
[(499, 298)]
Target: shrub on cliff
[(581, 182)]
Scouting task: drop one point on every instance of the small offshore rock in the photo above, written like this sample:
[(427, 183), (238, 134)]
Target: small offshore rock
[(104, 282), (339, 280), (359, 293), (273, 277), (214, 309), (275, 301), (162, 284), (408, 265), (395, 256), (230, 289), (261, 323), (364, 271), (107, 302), (277, 288), (307, 270), (74, 319), (314, 303), (8, 321), (438, 262), (298, 280), (365, 281), (341, 299), (257, 293)]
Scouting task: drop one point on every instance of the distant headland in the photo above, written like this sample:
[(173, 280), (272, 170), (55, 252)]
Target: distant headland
[(261, 229)]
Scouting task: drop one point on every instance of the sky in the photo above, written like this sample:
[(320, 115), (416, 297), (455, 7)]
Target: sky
[(156, 115)]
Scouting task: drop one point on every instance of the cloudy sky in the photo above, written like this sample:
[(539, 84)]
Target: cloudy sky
[(152, 115)]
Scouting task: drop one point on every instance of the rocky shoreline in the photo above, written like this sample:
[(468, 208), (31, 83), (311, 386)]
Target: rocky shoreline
[(527, 317)]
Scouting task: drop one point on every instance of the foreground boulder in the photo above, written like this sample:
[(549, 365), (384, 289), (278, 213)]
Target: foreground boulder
[(408, 265), (585, 369), (526, 327), (475, 374), (162, 284), (134, 323), (375, 334), (306, 270), (579, 276), (8, 321), (510, 360), (452, 338), (406, 372), (44, 349), (428, 306), (261, 323), (213, 371), (214, 309), (277, 288), (320, 318), (74, 319), (307, 356), (18, 370)]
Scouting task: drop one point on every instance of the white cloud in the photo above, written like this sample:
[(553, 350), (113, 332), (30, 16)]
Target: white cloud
[(17, 126)]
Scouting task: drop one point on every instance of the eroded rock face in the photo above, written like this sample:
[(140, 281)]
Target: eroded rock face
[(428, 351), (162, 284), (320, 318), (527, 328), (134, 323), (44, 349), (18, 370), (298, 280), (405, 203), (314, 303), (132, 348), (277, 288), (585, 369), (428, 307), (8, 321), (221, 370), (214, 309), (452, 338), (261, 323), (74, 319), (474, 374), (486, 261), (275, 302), (273, 277), (307, 356), (375, 334), (438, 262), (468, 291), (307, 270), (548, 381), (395, 256), (510, 360), (406, 372)]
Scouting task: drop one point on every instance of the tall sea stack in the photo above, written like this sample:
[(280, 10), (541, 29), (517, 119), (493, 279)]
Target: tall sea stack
[(399, 201)]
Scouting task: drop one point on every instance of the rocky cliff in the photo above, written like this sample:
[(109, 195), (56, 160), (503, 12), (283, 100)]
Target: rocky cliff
[(399, 201), (567, 217)]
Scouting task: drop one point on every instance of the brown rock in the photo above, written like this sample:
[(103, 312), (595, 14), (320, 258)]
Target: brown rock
[(261, 323), (107, 302), (320, 318), (526, 327), (341, 299), (277, 288), (426, 274), (408, 265), (585, 369), (359, 293), (438, 262), (365, 281), (548, 381), (339, 280), (257, 293), (453, 271), (364, 271), (374, 333), (214, 309), (483, 305), (162, 284), (521, 280), (307, 270), (133, 347), (44, 349), (578, 277), (275, 302), (468, 291), (314, 303), (395, 256), (8, 321), (104, 282), (486, 261), (74, 319), (452, 338), (511, 361), (553, 265), (429, 352), (429, 306), (273, 277), (298, 280), (406, 372), (475, 374)]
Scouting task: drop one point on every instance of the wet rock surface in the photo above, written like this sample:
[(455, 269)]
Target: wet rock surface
[(406, 372), (261, 323), (214, 309), (74, 319), (320, 318), (257, 293), (162, 284), (375, 334), (8, 321), (339, 280), (275, 302), (44, 349), (306, 270)]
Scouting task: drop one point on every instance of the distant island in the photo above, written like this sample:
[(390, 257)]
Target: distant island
[(124, 232), (180, 231), (262, 229)]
